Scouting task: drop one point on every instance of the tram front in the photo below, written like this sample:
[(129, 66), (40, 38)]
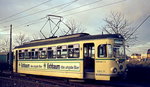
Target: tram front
[(111, 60), (119, 67)]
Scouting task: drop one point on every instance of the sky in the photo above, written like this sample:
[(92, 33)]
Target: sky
[(29, 16)]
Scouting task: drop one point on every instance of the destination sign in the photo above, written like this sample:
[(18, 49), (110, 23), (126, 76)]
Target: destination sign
[(118, 41)]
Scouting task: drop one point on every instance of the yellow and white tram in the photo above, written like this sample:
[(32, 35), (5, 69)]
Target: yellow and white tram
[(81, 56)]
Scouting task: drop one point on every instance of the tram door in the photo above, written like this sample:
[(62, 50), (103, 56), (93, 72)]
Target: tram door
[(89, 62)]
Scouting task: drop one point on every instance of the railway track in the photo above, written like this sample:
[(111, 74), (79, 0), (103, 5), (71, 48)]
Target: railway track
[(26, 82), (8, 80)]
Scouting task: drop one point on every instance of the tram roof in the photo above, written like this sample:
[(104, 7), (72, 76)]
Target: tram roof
[(68, 38)]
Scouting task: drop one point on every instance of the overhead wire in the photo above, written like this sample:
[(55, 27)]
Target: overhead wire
[(64, 6), (27, 23), (95, 8), (37, 12), (4, 30), (38, 20), (90, 8), (87, 9), (43, 28), (24, 10), (138, 26), (80, 6), (24, 24), (35, 21), (71, 9), (30, 23)]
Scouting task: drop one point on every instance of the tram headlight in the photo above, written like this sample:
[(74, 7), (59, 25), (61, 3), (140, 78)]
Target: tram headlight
[(126, 70), (114, 70)]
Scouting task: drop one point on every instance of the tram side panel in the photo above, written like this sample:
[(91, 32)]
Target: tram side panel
[(60, 67), (63, 68)]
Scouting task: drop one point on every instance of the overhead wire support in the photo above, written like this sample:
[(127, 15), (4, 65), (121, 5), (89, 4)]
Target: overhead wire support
[(55, 16), (56, 24), (68, 27), (42, 29), (50, 26)]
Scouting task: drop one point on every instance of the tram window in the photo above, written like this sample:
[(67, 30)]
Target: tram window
[(76, 52), (109, 48), (36, 55), (54, 52), (89, 50), (21, 55), (93, 52), (73, 51), (70, 52), (43, 54), (51, 52), (62, 51), (33, 50), (70, 46), (102, 50), (40, 48), (58, 53), (32, 55), (26, 55), (49, 48)]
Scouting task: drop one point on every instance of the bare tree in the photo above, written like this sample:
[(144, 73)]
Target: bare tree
[(116, 23), (75, 27), (4, 45), (21, 38)]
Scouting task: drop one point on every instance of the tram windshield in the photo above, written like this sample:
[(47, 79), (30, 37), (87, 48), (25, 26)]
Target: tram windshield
[(118, 51)]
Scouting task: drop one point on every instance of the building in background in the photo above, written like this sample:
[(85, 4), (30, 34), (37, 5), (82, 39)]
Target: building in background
[(143, 56), (148, 53), (135, 56)]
